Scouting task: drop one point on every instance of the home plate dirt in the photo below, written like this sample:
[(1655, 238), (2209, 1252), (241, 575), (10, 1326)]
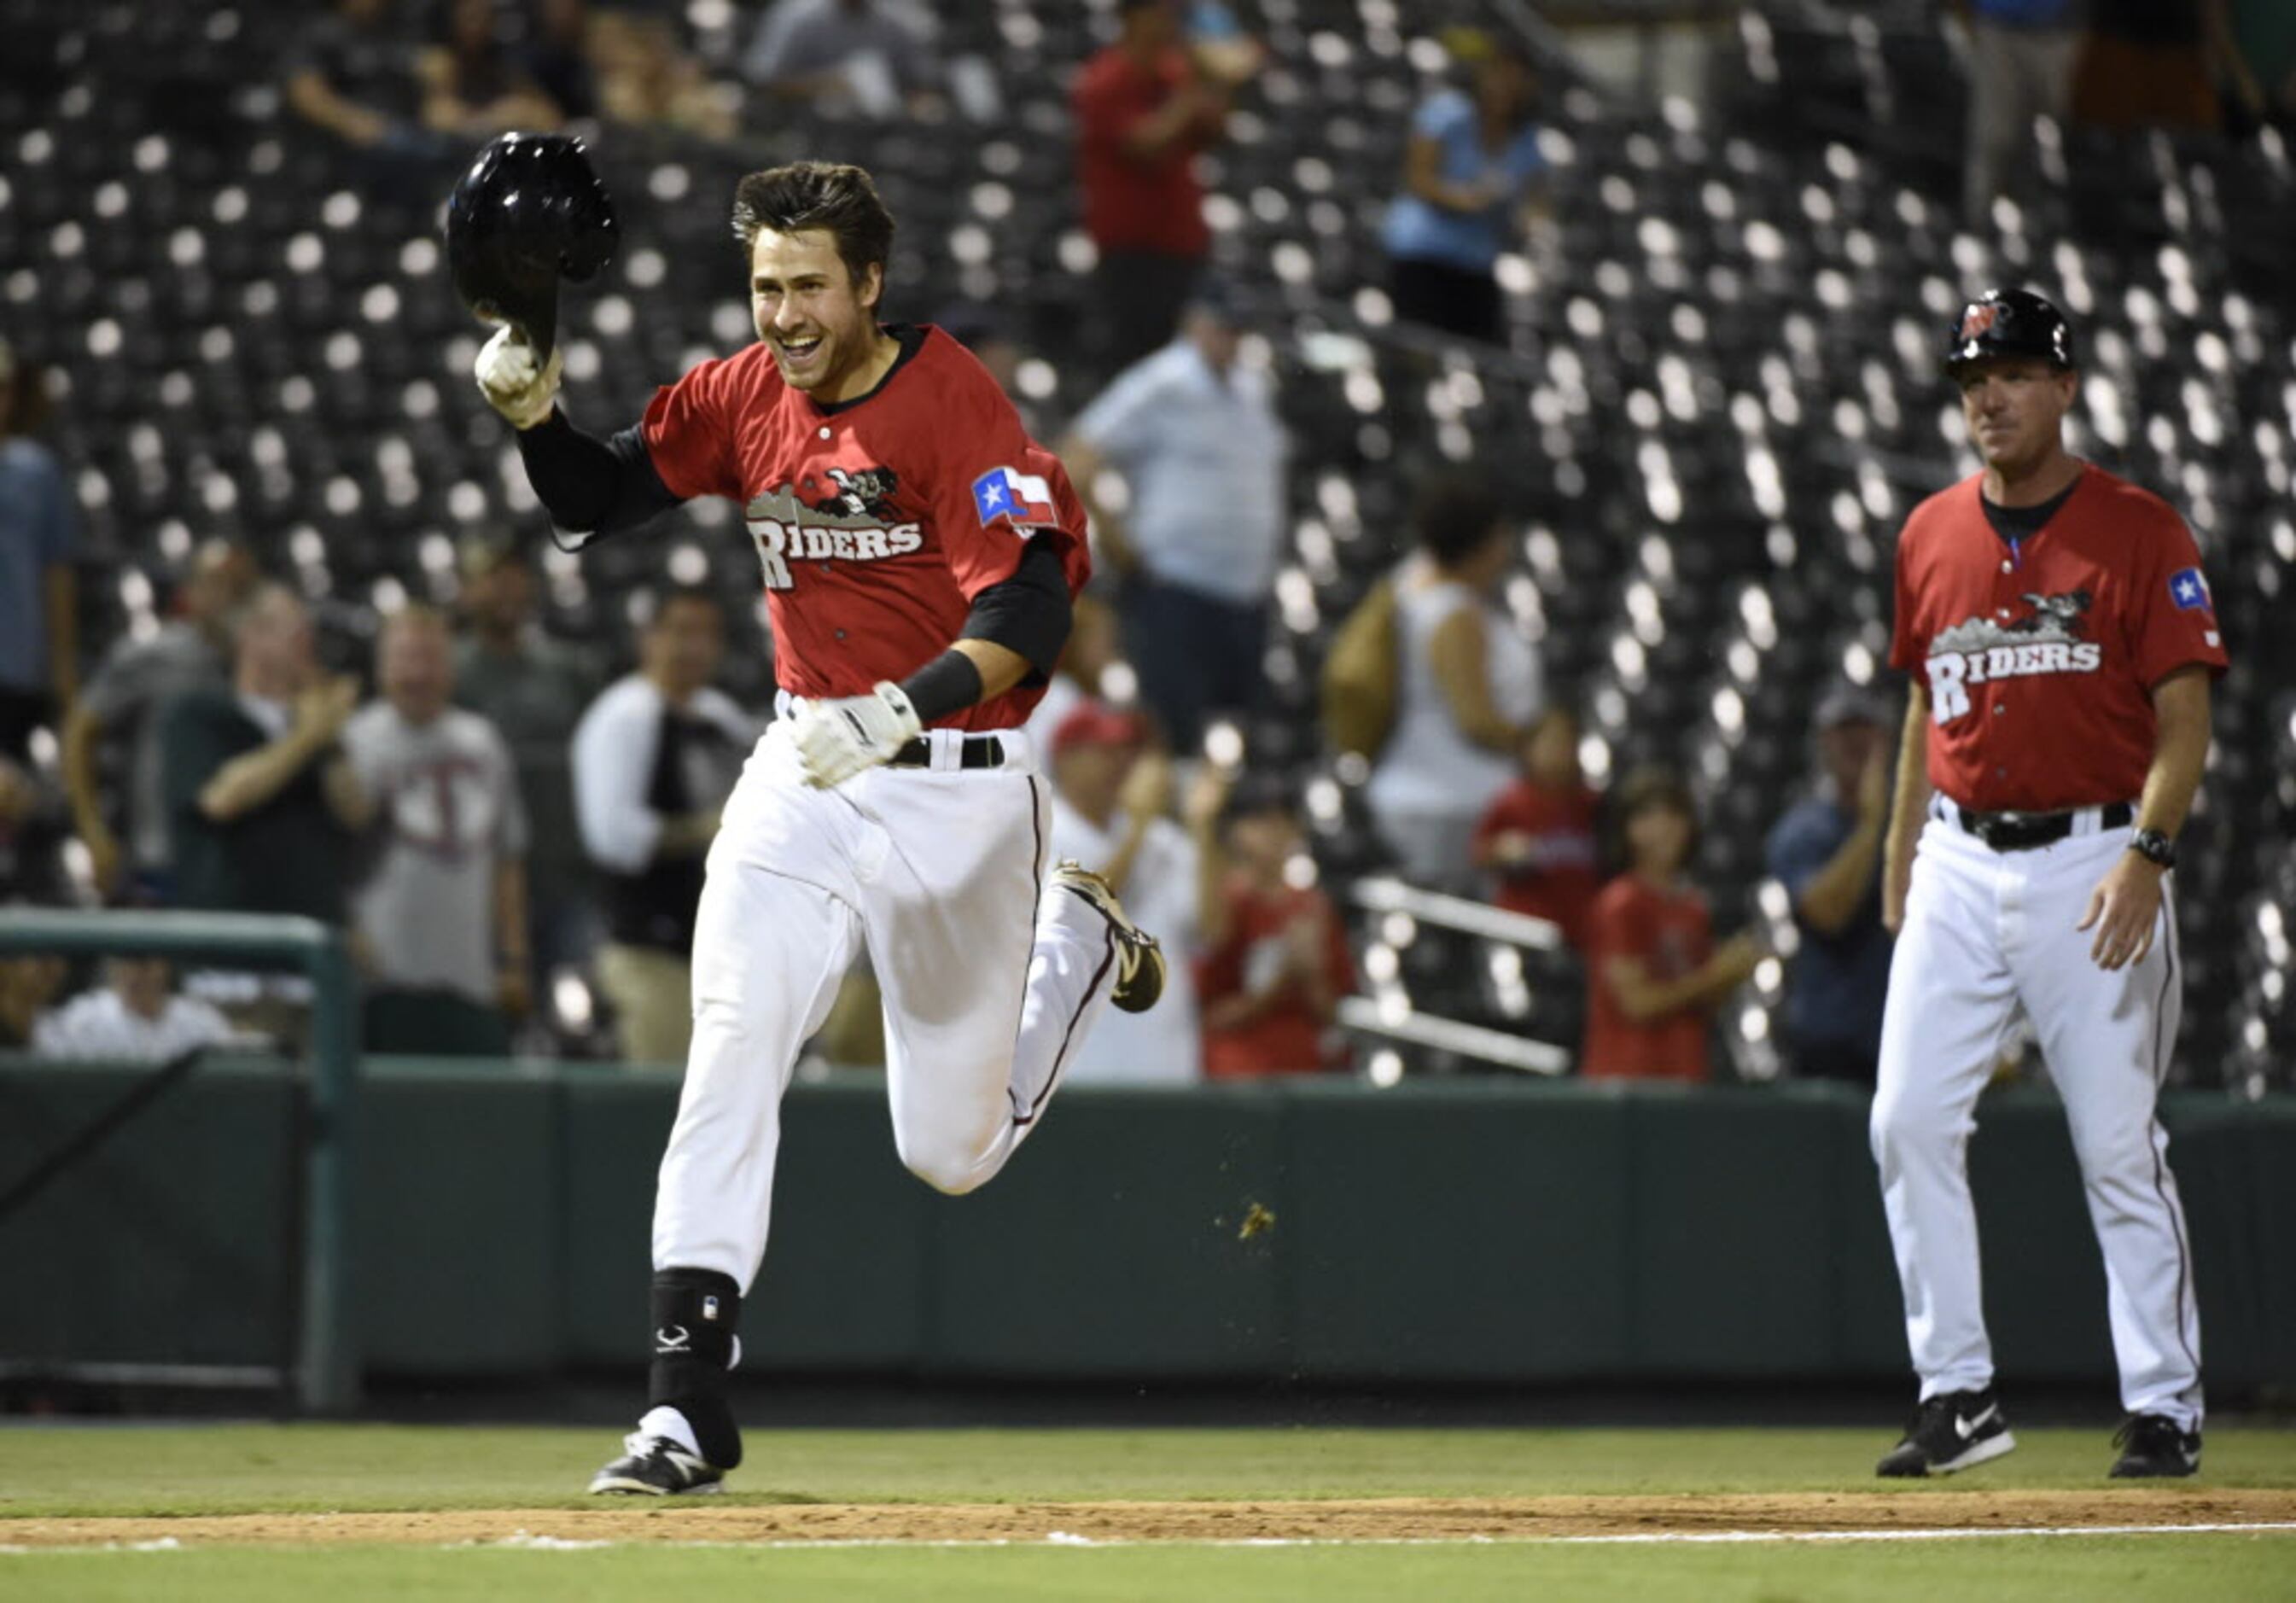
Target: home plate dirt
[(1397, 1519)]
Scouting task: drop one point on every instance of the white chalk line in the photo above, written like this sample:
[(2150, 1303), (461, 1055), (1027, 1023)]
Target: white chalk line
[(523, 1541)]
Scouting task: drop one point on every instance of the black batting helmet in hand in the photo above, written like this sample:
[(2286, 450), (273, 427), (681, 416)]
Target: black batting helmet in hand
[(2009, 323), (529, 212)]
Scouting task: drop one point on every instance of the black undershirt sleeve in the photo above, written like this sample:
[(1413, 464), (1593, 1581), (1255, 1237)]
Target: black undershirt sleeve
[(593, 486), (1028, 613)]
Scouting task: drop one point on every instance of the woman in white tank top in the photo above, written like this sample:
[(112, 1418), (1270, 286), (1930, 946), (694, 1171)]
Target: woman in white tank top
[(1468, 685)]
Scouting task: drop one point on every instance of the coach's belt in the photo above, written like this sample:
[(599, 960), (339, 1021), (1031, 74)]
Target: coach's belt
[(979, 751), (2024, 831)]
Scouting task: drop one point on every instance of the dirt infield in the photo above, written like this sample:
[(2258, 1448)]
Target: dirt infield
[(1426, 1519)]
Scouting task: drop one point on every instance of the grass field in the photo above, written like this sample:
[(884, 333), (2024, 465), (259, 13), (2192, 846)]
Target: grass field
[(258, 1512)]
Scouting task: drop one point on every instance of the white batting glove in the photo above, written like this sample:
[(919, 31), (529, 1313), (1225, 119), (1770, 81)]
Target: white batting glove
[(836, 740), (513, 383)]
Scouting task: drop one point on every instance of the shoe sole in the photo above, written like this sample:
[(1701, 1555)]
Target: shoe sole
[(1132, 997), (629, 1486), (2166, 1473)]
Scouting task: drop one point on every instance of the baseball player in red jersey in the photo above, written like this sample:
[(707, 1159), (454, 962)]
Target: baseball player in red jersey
[(2060, 642), (920, 555)]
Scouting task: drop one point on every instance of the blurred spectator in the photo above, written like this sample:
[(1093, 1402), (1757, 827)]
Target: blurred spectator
[(1084, 671), (474, 86), (27, 986), (441, 915), (135, 1016), (1194, 433), (1468, 685), (533, 690), (2021, 67), (1275, 960), (1143, 107), (1654, 975), (1827, 853), (351, 74), (1537, 838), (39, 532), (2157, 64), (560, 56), (1467, 170), (1110, 799), (987, 335), (654, 759), (124, 700), (262, 806), (871, 53)]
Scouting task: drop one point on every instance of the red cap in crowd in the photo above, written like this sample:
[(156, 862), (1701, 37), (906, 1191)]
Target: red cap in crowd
[(1098, 724)]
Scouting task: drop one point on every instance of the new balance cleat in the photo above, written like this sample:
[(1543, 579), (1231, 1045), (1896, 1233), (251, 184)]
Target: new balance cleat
[(1139, 961)]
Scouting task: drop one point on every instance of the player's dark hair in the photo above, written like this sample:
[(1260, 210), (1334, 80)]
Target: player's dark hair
[(833, 195), (1452, 518)]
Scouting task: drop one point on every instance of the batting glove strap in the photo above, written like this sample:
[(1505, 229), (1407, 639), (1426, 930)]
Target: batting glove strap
[(514, 382), (836, 740)]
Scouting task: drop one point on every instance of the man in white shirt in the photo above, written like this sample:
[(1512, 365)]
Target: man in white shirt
[(444, 909), (654, 759), (135, 1018), (1192, 431), (1108, 801)]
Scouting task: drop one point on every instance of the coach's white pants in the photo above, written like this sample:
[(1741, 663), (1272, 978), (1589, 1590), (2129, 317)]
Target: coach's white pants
[(1984, 930), (988, 983)]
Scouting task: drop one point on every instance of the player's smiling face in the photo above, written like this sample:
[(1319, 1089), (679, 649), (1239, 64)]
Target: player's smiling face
[(821, 323), (2015, 408)]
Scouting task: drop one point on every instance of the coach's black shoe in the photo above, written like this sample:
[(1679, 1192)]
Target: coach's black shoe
[(1139, 961), (657, 1467), (1958, 1430), (2155, 1447)]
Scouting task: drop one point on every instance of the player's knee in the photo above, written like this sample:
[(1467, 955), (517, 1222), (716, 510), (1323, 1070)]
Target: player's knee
[(952, 1166), (1904, 1123)]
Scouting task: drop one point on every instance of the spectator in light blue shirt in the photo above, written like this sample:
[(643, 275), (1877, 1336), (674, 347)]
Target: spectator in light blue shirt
[(1827, 853), (39, 643), (1470, 162), (1195, 435)]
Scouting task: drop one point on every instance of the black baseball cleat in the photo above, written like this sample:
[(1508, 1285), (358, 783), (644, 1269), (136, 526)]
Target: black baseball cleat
[(1139, 961), (657, 1467), (1957, 1430), (2155, 1447)]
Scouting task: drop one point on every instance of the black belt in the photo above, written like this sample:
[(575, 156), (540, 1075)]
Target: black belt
[(979, 751), (2024, 831)]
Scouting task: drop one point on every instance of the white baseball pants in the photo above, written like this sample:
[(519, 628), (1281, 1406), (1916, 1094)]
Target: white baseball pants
[(988, 983), (1984, 931)]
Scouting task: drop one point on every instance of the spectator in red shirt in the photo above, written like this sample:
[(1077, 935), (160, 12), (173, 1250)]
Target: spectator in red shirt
[(1276, 961), (1143, 108), (1654, 976), (1537, 838)]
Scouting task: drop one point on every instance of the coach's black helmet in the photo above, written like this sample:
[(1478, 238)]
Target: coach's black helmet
[(2009, 323), (529, 212)]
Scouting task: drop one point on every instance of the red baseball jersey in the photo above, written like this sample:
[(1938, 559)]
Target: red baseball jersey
[(2040, 655), (876, 523), (1670, 934), (1557, 880)]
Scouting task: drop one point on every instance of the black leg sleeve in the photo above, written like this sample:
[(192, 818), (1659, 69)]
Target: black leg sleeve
[(695, 1311)]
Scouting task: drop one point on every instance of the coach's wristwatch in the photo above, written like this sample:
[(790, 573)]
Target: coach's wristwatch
[(2154, 846)]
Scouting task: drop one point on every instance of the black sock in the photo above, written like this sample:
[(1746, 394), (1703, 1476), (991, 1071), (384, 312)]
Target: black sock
[(695, 1311)]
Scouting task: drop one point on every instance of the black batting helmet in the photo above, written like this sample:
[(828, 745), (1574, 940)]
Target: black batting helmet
[(529, 212), (2009, 323)]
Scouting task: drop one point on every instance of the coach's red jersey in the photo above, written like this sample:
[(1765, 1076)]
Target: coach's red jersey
[(876, 521), (2040, 655)]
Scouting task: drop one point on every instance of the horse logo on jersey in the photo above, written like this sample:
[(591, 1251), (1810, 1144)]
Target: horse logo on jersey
[(1977, 320), (855, 524), (1978, 651)]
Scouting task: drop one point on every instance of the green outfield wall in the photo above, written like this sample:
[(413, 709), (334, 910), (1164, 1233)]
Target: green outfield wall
[(1483, 1232)]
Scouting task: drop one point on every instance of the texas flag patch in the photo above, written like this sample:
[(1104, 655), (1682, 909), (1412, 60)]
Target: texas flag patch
[(1019, 499), (2189, 590)]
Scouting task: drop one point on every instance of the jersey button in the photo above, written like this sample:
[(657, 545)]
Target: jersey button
[(2006, 566), (841, 634), (824, 434), (1999, 708)]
